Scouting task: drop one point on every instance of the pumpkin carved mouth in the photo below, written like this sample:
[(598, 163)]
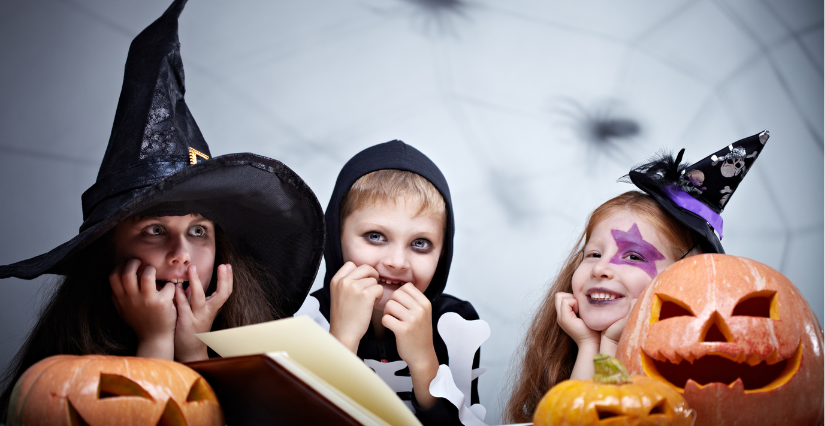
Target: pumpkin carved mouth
[(720, 368)]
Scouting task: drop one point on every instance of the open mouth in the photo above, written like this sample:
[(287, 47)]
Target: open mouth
[(160, 283), (386, 281), (598, 296), (755, 375)]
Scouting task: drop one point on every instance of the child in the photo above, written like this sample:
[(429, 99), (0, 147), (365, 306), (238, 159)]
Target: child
[(143, 275), (626, 243), (388, 251)]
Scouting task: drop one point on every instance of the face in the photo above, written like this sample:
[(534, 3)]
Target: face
[(170, 244), (402, 246), (621, 258)]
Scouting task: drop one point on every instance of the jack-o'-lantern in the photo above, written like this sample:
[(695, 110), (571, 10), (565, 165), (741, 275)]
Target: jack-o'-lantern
[(108, 390), (613, 397), (735, 336)]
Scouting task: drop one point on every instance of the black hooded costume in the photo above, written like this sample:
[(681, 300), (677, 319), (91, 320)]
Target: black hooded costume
[(398, 155)]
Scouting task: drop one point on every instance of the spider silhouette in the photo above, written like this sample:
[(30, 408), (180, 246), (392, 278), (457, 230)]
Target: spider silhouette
[(431, 16), (604, 128)]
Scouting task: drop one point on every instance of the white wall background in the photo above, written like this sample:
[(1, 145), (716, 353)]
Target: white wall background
[(504, 96)]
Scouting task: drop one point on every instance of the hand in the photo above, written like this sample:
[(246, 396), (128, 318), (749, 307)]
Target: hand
[(149, 312), (408, 314), (353, 293), (566, 309), (610, 336), (196, 313)]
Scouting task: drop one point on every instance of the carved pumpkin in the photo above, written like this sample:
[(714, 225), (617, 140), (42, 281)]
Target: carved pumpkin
[(734, 336), (109, 390), (612, 397)]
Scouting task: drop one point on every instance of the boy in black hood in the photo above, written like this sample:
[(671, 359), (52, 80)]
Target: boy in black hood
[(388, 251)]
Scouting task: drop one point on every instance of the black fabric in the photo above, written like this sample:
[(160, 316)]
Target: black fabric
[(711, 181), (399, 156), (263, 207)]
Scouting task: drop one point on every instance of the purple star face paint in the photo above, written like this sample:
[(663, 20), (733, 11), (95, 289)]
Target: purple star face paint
[(632, 243)]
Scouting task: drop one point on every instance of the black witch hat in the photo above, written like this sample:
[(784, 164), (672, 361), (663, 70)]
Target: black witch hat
[(158, 164), (695, 194)]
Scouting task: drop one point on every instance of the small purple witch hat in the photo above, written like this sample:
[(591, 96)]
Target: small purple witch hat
[(695, 194)]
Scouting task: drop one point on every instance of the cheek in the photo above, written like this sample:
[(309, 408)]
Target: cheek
[(205, 262), (579, 278), (423, 270)]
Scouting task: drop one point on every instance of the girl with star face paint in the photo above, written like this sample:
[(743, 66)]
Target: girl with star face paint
[(627, 242)]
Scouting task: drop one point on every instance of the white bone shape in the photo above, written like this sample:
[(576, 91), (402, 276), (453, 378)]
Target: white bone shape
[(386, 371), (463, 338)]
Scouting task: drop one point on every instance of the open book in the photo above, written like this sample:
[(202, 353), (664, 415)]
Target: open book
[(291, 371)]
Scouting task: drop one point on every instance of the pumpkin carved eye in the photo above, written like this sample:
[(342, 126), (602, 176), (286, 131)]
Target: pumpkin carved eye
[(607, 413), (660, 408), (200, 391), (114, 385), (665, 307), (758, 304)]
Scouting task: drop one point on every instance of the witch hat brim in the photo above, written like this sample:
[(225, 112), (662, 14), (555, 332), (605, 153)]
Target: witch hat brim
[(260, 203), (157, 163), (695, 194)]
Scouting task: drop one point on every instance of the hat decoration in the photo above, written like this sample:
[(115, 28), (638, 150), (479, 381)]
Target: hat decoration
[(157, 163), (696, 194)]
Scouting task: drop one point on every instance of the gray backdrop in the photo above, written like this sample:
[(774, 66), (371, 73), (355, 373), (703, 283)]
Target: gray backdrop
[(532, 109)]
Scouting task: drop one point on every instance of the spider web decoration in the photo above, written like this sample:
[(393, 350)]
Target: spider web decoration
[(532, 109)]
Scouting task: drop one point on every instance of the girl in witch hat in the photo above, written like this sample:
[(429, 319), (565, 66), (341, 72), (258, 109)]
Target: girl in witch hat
[(173, 242), (626, 243)]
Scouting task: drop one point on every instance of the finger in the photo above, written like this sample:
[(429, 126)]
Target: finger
[(196, 296), (148, 283), (391, 323), (376, 291), (416, 294), (129, 277), (366, 282), (184, 309), (405, 299), (167, 293), (225, 283), (344, 271), (574, 304), (114, 281), (397, 310), (364, 271)]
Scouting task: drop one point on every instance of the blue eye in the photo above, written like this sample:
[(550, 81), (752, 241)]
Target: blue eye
[(374, 237), (422, 244)]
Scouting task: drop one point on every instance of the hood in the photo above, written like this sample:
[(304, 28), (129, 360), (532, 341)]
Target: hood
[(389, 155)]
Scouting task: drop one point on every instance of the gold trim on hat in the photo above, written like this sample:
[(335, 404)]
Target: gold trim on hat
[(194, 154)]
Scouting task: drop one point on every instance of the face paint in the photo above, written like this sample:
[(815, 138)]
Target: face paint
[(632, 243)]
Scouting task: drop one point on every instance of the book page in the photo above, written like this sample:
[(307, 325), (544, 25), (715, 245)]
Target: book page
[(310, 346)]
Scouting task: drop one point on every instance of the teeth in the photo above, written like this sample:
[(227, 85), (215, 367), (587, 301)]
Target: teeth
[(602, 296), (175, 280), (383, 281)]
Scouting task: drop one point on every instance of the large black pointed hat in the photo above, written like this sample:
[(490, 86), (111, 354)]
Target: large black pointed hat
[(695, 194), (157, 163)]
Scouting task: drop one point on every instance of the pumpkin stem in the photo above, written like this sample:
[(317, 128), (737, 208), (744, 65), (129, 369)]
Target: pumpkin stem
[(610, 371)]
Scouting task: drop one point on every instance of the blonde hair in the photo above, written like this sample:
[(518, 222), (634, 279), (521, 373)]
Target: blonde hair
[(382, 186), (547, 354)]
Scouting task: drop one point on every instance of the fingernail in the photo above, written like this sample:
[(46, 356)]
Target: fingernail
[(193, 268)]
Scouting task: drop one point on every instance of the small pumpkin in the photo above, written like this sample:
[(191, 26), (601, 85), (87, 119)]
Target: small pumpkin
[(734, 336), (109, 390), (613, 397)]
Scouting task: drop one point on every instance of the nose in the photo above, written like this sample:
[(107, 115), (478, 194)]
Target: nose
[(396, 258), (178, 252), (602, 269)]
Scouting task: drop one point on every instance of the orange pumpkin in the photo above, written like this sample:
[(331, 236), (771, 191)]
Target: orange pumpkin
[(109, 390), (612, 397), (735, 337)]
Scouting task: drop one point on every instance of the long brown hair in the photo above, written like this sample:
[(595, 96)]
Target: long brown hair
[(547, 354), (79, 317)]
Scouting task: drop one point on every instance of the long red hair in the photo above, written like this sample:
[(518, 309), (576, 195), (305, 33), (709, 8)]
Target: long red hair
[(547, 354)]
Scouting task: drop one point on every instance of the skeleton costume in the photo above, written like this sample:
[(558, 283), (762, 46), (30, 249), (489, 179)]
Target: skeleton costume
[(695, 194), (456, 337)]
